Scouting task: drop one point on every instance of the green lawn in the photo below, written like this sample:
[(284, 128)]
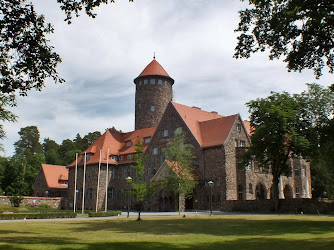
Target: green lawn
[(217, 232)]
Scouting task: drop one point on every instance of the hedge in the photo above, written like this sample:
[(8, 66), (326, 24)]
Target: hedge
[(16, 216), (104, 214)]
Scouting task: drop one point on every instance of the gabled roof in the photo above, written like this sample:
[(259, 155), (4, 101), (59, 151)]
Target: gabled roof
[(163, 171), (116, 142), (53, 174), (154, 68), (215, 132), (209, 128), (248, 127)]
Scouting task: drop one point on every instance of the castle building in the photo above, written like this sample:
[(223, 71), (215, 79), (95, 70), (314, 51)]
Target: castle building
[(217, 141)]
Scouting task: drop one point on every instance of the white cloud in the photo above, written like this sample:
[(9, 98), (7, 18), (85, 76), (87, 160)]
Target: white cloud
[(194, 41)]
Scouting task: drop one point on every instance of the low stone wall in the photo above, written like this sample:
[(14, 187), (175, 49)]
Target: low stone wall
[(53, 202), (308, 206)]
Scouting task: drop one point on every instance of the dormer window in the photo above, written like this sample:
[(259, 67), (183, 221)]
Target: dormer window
[(114, 157), (121, 158), (87, 157), (130, 156), (147, 140), (128, 143)]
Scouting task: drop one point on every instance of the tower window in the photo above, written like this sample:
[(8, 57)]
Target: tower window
[(152, 108), (160, 82), (145, 81), (166, 83), (140, 83), (152, 81)]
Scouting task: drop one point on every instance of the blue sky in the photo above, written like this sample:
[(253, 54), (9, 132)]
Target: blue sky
[(194, 41)]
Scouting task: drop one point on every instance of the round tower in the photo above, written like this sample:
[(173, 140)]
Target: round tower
[(154, 90)]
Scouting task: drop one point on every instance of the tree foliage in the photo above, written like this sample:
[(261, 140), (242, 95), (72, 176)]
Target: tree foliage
[(139, 187), (26, 58), (302, 32), (180, 178), (277, 133), (71, 7), (29, 143), (317, 113)]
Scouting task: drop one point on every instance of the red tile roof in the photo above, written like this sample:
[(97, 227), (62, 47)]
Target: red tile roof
[(176, 169), (116, 142), (215, 132), (209, 128), (154, 68), (54, 174), (248, 127)]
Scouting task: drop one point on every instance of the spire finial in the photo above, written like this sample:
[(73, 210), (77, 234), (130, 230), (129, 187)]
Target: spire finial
[(154, 55)]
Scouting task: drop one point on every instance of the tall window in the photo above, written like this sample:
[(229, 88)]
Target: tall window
[(240, 192), (90, 193), (242, 144), (238, 127), (250, 188), (155, 151), (236, 143), (153, 108), (296, 171), (297, 192)]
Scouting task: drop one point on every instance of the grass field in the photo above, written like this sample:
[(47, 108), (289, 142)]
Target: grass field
[(217, 232)]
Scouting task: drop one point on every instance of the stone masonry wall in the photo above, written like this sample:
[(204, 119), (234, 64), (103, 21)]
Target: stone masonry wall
[(148, 95), (53, 202)]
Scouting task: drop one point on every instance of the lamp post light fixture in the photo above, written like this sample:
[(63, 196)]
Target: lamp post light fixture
[(129, 197), (210, 185)]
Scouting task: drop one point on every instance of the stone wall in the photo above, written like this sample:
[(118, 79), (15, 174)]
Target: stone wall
[(148, 95), (53, 202), (305, 206)]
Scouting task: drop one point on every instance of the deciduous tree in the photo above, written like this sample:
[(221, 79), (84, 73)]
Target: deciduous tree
[(277, 134), (302, 32), (139, 187), (180, 178)]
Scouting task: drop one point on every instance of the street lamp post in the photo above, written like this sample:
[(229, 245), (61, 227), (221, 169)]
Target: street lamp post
[(210, 185), (129, 197)]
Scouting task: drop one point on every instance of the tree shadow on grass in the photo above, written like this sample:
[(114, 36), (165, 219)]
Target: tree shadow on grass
[(215, 227), (251, 243)]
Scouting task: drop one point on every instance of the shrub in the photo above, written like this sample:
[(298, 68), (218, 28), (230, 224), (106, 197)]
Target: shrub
[(104, 214), (15, 200), (16, 216)]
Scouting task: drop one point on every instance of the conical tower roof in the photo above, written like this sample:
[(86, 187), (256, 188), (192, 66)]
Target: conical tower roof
[(154, 69)]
